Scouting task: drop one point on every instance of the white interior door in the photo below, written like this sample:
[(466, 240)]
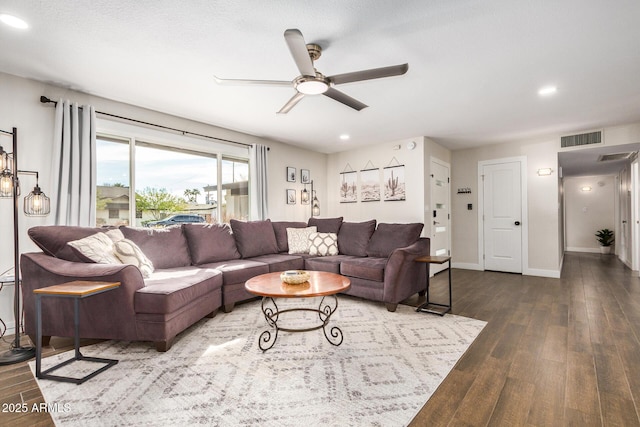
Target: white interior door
[(441, 214), (502, 214)]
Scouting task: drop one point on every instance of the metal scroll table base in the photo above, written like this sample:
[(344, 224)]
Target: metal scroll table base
[(272, 315)]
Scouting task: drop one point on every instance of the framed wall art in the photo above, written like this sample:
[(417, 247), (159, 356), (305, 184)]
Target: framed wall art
[(348, 187), (394, 183), (291, 197), (305, 176), (291, 174), (370, 185)]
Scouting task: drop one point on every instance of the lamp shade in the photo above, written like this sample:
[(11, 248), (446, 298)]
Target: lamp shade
[(6, 183), (315, 210), (37, 203)]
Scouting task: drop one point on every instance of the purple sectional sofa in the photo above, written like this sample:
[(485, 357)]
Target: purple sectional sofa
[(202, 268)]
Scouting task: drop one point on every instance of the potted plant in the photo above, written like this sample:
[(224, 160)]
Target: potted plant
[(606, 239)]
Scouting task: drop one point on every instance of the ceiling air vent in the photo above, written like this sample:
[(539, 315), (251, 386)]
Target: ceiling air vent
[(616, 156), (581, 139)]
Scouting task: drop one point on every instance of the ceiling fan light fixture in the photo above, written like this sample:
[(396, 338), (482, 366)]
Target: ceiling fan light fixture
[(311, 86)]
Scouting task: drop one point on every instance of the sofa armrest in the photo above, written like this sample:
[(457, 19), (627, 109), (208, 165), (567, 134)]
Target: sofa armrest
[(402, 276), (113, 309)]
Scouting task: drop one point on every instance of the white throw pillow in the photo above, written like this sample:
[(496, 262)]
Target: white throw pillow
[(97, 247), (323, 244), (115, 235), (298, 239), (129, 253)]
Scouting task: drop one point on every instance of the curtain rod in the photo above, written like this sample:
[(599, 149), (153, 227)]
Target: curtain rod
[(46, 100)]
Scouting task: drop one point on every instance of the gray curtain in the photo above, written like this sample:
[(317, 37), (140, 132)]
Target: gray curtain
[(74, 164), (259, 199)]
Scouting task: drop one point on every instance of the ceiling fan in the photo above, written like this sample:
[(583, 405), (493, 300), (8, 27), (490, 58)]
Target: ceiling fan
[(312, 82)]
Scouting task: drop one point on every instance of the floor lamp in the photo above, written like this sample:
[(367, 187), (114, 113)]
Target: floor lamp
[(36, 203)]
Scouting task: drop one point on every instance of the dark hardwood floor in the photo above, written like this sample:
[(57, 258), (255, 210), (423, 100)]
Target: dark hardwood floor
[(554, 352)]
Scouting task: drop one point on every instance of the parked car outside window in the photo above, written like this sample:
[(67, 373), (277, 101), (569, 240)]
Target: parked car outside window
[(176, 219)]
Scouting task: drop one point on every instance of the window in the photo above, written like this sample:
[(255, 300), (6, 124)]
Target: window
[(112, 190), (174, 178), (235, 189)]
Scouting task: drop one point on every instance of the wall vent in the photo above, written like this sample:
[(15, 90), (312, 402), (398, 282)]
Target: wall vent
[(615, 156), (581, 139)]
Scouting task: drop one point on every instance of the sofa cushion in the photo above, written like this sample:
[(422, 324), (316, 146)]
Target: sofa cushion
[(238, 270), (326, 225), (280, 230), (169, 290), (326, 263), (299, 239), (323, 244), (254, 238), (165, 247), (54, 239), (389, 237), (210, 243), (364, 268), (354, 237), (281, 262)]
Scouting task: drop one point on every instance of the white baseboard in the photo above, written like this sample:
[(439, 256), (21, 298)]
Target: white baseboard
[(554, 274), (587, 250), (467, 266)]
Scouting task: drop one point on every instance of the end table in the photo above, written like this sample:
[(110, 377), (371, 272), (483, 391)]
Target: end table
[(427, 306), (76, 290)]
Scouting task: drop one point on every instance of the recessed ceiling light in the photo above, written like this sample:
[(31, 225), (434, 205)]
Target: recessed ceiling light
[(547, 90), (344, 137), (13, 21)]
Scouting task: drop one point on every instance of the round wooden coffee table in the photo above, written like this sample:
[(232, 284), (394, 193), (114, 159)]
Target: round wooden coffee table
[(320, 284)]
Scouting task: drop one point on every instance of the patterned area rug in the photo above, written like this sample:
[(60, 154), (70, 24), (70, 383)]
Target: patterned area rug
[(387, 367)]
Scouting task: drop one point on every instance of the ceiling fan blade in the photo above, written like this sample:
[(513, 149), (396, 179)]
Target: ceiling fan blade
[(291, 103), (345, 99), (374, 73), (251, 82), (299, 51)]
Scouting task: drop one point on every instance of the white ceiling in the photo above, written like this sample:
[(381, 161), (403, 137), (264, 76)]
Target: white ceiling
[(474, 66)]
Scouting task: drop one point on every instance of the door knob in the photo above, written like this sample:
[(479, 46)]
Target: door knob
[(517, 223)]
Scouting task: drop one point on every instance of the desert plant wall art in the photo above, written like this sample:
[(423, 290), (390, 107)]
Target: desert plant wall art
[(370, 185), (394, 183), (349, 187), (373, 188)]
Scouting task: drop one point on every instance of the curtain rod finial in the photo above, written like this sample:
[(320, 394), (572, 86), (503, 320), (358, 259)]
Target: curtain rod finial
[(46, 100)]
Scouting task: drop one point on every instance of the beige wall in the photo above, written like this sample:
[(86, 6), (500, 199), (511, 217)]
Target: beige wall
[(542, 202), (588, 211), (545, 226)]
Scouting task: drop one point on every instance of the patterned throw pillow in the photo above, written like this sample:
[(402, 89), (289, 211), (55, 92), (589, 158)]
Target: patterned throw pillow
[(97, 247), (129, 253), (298, 239), (323, 244)]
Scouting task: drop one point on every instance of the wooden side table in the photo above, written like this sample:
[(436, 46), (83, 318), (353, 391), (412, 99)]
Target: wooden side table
[(76, 290), (429, 306)]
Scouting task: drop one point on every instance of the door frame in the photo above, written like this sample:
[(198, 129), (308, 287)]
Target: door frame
[(523, 204), (635, 215), (437, 268)]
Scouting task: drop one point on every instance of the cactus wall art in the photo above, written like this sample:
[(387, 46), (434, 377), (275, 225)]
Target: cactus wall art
[(394, 183), (348, 187)]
